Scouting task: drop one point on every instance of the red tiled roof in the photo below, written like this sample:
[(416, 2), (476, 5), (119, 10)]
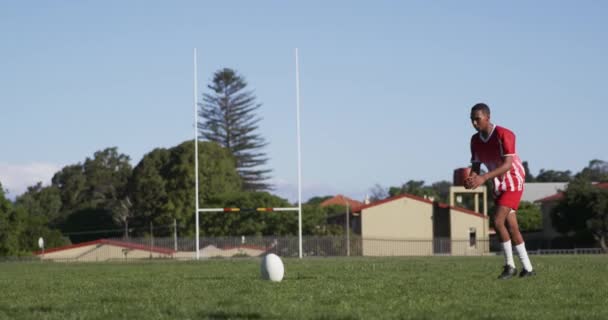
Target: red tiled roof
[(603, 185), (557, 196), (421, 199), (128, 245), (341, 201)]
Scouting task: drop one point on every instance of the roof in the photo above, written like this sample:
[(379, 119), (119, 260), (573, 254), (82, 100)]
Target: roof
[(341, 201), (421, 199), (560, 195), (128, 245), (554, 197)]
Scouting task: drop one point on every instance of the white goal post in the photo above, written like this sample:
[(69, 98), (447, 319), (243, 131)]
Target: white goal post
[(196, 189)]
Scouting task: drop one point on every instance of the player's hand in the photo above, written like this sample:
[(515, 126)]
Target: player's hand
[(468, 182), (474, 181)]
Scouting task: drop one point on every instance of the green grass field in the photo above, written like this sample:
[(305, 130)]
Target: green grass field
[(567, 287)]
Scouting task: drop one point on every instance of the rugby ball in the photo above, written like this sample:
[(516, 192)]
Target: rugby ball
[(272, 268)]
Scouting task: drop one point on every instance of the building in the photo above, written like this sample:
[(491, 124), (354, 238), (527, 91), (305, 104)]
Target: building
[(534, 191), (116, 250), (341, 200), (351, 207), (105, 250), (547, 204), (411, 225)]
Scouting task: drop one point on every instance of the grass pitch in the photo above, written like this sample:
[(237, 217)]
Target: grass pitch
[(566, 287)]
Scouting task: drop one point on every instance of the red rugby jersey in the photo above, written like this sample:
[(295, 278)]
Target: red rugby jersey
[(490, 152)]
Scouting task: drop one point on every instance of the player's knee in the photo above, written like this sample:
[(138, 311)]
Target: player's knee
[(499, 224), (514, 229)]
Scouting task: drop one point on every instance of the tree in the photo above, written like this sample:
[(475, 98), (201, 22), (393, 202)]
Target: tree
[(106, 176), (317, 200), (34, 227), (554, 176), (582, 214), (5, 204), (161, 188), (414, 187), (230, 122), (596, 171), (529, 176), (71, 182), (40, 208), (377, 193), (442, 189), (529, 216), (89, 192), (41, 201), (8, 238), (248, 221), (314, 220)]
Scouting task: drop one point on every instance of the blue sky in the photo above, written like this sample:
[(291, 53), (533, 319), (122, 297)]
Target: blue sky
[(386, 86)]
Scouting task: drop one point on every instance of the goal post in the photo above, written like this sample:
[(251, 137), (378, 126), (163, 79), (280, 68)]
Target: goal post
[(196, 173)]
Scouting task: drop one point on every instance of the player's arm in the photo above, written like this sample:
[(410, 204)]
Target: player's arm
[(507, 163), (477, 180), (508, 142), (475, 171), (475, 167)]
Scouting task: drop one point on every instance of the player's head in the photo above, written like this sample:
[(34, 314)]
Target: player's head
[(480, 116)]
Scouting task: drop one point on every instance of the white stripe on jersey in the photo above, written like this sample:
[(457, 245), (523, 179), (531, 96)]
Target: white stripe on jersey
[(508, 174), (519, 169)]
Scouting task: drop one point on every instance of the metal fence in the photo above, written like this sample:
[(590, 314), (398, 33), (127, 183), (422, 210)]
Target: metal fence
[(568, 251), (314, 246), (137, 249), (230, 247)]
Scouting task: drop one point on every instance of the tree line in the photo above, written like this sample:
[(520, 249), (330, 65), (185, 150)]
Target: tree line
[(105, 196)]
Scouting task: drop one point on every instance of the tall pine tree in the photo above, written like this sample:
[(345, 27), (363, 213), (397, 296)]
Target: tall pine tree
[(229, 120)]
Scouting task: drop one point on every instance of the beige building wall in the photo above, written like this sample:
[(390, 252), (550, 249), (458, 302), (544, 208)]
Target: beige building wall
[(212, 251), (108, 252), (111, 252), (461, 225), (101, 252), (68, 254), (403, 226)]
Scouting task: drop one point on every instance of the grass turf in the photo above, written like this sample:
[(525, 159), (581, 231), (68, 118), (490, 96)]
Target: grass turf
[(566, 287)]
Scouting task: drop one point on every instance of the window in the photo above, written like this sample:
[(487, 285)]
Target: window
[(472, 237)]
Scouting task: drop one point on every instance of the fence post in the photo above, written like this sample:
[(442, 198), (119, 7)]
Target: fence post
[(175, 234), (151, 238)]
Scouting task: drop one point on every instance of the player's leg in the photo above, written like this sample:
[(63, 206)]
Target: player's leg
[(520, 246), (509, 269), (513, 227)]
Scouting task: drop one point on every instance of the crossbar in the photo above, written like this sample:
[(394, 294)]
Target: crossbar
[(247, 209)]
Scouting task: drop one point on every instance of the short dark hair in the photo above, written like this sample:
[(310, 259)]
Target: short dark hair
[(481, 107)]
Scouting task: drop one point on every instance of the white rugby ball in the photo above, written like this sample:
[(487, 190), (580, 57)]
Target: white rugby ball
[(272, 268)]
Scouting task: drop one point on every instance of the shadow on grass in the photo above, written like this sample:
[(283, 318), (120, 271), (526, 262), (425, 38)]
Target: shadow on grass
[(14, 312)]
